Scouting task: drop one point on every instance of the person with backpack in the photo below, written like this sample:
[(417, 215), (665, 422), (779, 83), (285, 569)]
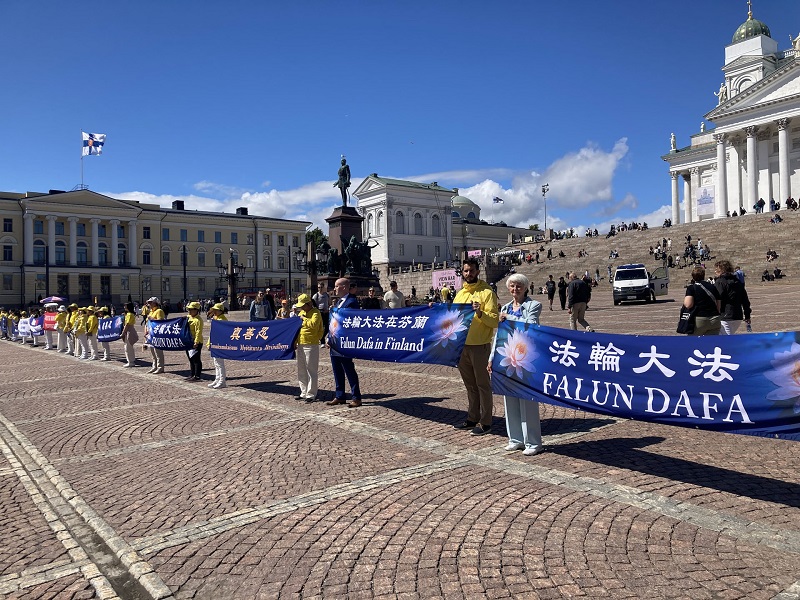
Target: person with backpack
[(735, 304)]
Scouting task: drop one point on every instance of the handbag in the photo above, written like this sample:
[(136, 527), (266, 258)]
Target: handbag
[(686, 320)]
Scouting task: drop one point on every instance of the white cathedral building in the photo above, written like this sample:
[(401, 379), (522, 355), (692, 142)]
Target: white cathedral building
[(754, 150)]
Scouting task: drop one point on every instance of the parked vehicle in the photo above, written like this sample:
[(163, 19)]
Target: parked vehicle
[(635, 283)]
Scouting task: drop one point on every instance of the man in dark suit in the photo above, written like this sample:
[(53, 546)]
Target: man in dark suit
[(343, 366)]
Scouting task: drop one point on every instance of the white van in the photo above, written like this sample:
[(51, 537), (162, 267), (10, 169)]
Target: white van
[(634, 282)]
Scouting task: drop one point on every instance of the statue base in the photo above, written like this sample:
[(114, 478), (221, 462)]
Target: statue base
[(344, 223)]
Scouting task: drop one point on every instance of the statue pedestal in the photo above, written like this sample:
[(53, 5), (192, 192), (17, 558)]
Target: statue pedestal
[(344, 223)]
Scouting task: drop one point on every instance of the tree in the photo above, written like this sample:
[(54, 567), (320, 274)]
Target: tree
[(534, 227), (316, 236)]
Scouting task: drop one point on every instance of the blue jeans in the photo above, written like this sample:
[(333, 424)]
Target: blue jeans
[(522, 421)]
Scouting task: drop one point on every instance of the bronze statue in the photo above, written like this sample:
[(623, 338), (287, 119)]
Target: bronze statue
[(344, 180), (333, 262)]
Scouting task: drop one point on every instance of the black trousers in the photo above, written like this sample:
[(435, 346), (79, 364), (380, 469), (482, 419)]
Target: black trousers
[(195, 364)]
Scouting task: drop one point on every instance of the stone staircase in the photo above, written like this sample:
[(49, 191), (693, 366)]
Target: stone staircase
[(742, 240)]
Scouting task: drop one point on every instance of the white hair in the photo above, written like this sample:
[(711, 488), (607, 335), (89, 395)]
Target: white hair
[(518, 278)]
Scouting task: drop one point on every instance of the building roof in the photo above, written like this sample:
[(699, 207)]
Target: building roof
[(750, 29), (412, 184)]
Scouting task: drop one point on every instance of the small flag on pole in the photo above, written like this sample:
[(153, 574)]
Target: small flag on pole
[(497, 200), (93, 143)]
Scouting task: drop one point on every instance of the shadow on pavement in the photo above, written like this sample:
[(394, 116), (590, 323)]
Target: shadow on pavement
[(626, 453)]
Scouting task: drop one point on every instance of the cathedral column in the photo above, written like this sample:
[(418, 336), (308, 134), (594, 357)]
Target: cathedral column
[(28, 248), (752, 169), (783, 161), (721, 197), (51, 238), (765, 175), (73, 241), (133, 251), (676, 218), (687, 198), (114, 243), (95, 243)]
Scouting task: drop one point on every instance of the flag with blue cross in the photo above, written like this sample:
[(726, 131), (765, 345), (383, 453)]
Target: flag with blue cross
[(93, 143)]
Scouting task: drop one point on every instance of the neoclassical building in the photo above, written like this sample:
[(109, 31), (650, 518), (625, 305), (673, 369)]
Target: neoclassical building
[(754, 149), (415, 222), (84, 245)]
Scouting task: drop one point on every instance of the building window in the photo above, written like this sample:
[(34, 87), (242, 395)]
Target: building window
[(201, 259), (120, 231), (165, 258), (166, 284), (165, 235), (201, 236), (38, 252), (295, 241), (370, 224), (437, 252), (419, 249), (8, 282), (380, 223), (267, 262), (80, 229), (234, 237), (101, 231), (8, 225), (251, 261), (281, 240), (145, 257), (281, 263), (62, 284), (235, 257), (38, 226), (82, 254), (59, 227), (40, 282), (249, 239), (61, 253), (217, 259), (399, 223), (436, 227), (145, 233), (146, 285), (419, 229), (122, 255), (184, 235), (266, 239), (84, 286), (102, 251), (124, 283), (105, 285), (201, 284), (217, 237), (471, 215), (8, 253), (402, 249)]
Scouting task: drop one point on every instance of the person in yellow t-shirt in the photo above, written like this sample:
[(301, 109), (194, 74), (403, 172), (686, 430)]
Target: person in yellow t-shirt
[(154, 313), (196, 329), (475, 357), (92, 323), (79, 331), (72, 315), (217, 313), (307, 351), (61, 328), (129, 335), (103, 315)]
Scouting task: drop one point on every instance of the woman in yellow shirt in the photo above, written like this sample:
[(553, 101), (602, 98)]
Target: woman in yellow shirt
[(217, 313), (72, 341), (61, 328), (307, 351), (196, 329), (92, 323), (102, 315), (79, 331), (129, 335), (154, 313)]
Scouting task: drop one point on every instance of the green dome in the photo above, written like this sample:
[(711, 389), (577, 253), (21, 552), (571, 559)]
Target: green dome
[(750, 29)]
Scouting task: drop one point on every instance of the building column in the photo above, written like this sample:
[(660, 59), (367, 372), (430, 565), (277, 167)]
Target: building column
[(676, 219), (721, 197), (51, 239), (28, 248), (133, 251), (783, 161), (73, 241), (752, 168), (95, 244), (687, 198), (762, 158), (735, 195), (114, 243)]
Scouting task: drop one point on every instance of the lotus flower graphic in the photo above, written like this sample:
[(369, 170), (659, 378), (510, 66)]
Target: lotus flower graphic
[(786, 376), (518, 354), (335, 324), (446, 327)]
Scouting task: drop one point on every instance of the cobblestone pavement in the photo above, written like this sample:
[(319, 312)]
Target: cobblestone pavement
[(116, 483)]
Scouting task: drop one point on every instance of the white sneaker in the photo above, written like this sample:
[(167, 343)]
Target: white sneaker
[(533, 451), (514, 446), (212, 384), (92, 358), (127, 365), (219, 384), (152, 370)]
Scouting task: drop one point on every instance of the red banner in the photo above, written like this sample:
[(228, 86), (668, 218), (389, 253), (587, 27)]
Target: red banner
[(50, 321)]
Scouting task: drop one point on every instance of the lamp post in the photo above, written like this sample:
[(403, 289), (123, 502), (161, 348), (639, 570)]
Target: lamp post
[(183, 260), (545, 189), (315, 265), (231, 273)]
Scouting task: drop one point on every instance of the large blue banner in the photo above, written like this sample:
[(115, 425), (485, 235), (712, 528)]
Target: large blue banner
[(169, 334), (37, 326), (746, 384), (419, 334), (262, 340), (109, 330)]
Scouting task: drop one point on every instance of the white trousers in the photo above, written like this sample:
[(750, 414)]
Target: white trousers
[(219, 370), (63, 343), (48, 338), (81, 345), (93, 345), (308, 369), (130, 354)]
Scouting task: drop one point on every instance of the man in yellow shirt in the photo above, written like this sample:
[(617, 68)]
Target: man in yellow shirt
[(307, 351), (72, 341), (475, 358), (196, 329), (154, 313)]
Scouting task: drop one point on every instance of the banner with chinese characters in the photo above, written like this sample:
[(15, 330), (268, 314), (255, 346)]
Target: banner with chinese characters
[(746, 384), (109, 330), (169, 334), (36, 325), (420, 334), (259, 340)]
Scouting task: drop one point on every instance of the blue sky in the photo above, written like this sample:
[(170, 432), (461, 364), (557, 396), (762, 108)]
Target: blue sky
[(237, 103)]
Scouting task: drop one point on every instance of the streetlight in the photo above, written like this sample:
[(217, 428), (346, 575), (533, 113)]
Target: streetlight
[(231, 273), (183, 260), (313, 267), (545, 189)]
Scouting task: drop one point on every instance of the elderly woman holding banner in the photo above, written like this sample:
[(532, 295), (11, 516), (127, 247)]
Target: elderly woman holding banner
[(522, 414)]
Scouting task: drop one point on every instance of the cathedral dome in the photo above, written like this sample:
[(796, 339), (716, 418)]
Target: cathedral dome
[(750, 29), (464, 207)]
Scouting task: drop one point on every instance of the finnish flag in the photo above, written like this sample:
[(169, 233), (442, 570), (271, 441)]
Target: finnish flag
[(93, 143)]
